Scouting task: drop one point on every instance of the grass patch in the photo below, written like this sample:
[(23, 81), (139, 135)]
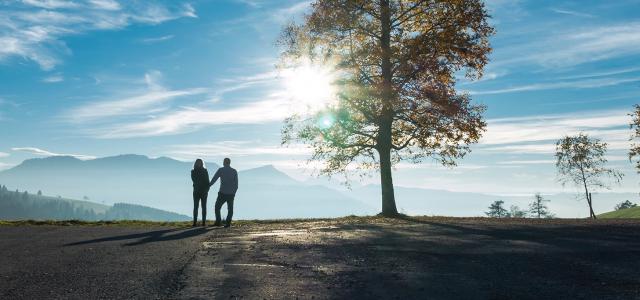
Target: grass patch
[(628, 213)]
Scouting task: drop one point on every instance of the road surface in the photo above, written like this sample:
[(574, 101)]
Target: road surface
[(330, 259)]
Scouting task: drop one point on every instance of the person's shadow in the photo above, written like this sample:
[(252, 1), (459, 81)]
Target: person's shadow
[(147, 237)]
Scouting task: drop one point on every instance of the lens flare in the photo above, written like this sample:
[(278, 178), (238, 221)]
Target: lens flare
[(310, 87), (326, 121)]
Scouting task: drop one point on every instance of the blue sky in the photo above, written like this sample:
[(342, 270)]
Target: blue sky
[(189, 79)]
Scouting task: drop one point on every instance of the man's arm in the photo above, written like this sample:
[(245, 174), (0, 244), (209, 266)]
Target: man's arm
[(215, 177), (235, 181), (236, 178)]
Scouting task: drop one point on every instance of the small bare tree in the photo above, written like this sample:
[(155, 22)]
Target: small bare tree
[(581, 161)]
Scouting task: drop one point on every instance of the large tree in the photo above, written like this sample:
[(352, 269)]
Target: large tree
[(396, 63), (581, 160)]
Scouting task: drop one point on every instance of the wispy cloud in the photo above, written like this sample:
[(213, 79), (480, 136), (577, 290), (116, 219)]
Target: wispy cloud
[(51, 4), (152, 111), (545, 148), (437, 166), (4, 154), (42, 152), (528, 162), (252, 3), (264, 15), (237, 83), (551, 127), (189, 119), (53, 78), (189, 11), (604, 73), (286, 14), (514, 8), (571, 13), (157, 39), (141, 104), (236, 148), (538, 134), (148, 101), (592, 44), (105, 4), (576, 84), (35, 29)]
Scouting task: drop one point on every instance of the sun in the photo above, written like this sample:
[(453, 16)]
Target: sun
[(310, 87)]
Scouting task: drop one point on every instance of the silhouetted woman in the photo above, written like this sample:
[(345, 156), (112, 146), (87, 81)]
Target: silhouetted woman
[(200, 178)]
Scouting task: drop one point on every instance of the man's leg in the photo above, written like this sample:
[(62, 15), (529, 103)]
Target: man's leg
[(195, 207), (219, 202), (204, 208), (230, 199)]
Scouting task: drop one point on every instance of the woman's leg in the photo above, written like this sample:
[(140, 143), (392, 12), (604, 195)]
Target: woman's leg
[(204, 208), (196, 199)]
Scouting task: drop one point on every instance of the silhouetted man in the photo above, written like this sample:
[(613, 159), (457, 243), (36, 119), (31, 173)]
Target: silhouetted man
[(228, 187)]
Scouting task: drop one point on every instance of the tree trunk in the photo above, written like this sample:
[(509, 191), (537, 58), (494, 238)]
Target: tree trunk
[(386, 182), (386, 121), (593, 215), (587, 194)]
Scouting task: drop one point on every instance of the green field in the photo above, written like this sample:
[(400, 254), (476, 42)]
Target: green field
[(633, 212)]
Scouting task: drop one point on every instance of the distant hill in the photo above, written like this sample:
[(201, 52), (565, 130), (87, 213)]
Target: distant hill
[(165, 183), (126, 211), (265, 192), (628, 213), (16, 205)]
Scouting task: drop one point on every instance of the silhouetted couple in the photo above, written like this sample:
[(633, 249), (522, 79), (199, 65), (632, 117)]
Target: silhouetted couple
[(228, 187)]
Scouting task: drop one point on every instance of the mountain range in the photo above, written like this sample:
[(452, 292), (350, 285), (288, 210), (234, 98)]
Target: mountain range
[(165, 183), (265, 192)]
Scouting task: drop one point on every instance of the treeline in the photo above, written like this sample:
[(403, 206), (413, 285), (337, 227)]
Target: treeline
[(537, 209), (16, 205)]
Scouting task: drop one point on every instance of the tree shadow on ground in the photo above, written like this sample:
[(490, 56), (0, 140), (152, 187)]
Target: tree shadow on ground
[(147, 237), (440, 260)]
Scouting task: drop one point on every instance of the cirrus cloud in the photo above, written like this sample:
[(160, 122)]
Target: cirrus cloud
[(35, 30), (42, 152)]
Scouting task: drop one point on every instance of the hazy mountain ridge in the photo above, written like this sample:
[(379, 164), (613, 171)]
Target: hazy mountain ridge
[(265, 192)]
